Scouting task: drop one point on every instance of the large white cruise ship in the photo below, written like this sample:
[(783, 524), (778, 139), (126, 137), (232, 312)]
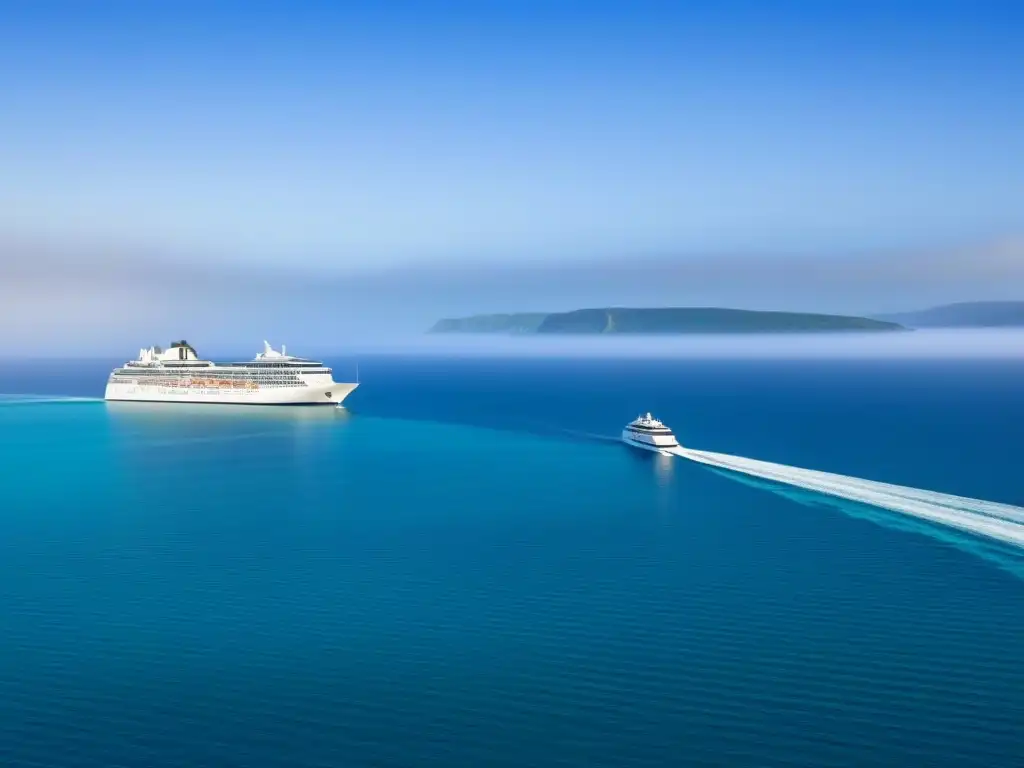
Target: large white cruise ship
[(178, 375)]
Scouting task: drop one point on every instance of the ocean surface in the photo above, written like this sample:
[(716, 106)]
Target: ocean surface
[(464, 568)]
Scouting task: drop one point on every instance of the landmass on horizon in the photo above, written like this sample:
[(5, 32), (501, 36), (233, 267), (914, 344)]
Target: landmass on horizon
[(681, 320), (968, 314), (663, 320)]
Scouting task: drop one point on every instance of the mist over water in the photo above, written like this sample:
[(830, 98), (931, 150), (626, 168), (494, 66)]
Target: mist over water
[(923, 344), (349, 345), (98, 300)]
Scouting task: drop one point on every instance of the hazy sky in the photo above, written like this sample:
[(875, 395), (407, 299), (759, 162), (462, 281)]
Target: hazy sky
[(425, 159)]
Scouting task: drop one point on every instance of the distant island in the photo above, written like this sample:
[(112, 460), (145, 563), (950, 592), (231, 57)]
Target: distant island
[(669, 320), (968, 314), (519, 322)]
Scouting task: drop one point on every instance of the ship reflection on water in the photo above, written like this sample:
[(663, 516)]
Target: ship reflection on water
[(153, 413), (137, 426), (663, 469)]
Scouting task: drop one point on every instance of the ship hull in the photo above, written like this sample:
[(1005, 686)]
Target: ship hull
[(666, 447), (321, 394)]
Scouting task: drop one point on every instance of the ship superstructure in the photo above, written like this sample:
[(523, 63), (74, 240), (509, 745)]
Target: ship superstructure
[(178, 374), (650, 434)]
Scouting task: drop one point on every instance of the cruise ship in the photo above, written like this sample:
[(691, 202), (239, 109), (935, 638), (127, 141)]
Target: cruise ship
[(178, 375), (650, 434)]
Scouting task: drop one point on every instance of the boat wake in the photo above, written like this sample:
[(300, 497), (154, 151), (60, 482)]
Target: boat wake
[(1001, 522), (45, 399), (549, 429)]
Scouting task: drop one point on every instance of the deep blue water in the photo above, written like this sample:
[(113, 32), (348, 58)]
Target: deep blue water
[(463, 570)]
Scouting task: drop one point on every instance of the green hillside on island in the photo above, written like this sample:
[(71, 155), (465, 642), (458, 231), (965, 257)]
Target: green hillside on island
[(672, 320), (970, 314), (520, 322)]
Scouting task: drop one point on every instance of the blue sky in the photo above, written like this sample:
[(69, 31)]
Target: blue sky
[(340, 139)]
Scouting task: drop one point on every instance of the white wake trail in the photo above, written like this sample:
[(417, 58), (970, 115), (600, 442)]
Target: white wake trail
[(1003, 522), (44, 399)]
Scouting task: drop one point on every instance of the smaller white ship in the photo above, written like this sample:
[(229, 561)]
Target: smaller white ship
[(650, 434)]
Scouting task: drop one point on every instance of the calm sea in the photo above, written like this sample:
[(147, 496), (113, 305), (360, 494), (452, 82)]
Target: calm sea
[(463, 569)]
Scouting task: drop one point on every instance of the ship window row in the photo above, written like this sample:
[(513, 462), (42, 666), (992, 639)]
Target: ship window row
[(182, 384), (260, 385), (219, 373), (281, 380), (202, 383), (199, 383), (320, 368), (304, 364), (247, 376)]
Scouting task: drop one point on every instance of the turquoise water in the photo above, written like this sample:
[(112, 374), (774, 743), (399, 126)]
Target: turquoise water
[(462, 569)]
